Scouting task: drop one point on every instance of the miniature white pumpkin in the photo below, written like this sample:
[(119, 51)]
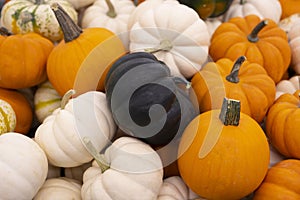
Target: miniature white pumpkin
[(294, 41), (59, 189), (46, 100), (287, 23), (175, 34), (288, 86), (212, 24), (264, 9), (110, 14), (8, 118), (60, 135), (135, 172), (23, 167)]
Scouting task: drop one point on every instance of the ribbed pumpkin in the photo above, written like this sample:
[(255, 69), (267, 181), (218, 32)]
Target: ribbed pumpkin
[(223, 154), (281, 182), (283, 124), (261, 41), (289, 7), (64, 64), (241, 80), (22, 108), (23, 59)]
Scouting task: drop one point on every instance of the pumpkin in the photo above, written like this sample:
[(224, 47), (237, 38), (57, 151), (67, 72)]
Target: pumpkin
[(46, 100), (25, 16), (208, 8), (289, 7), (23, 59), (22, 109), (287, 23), (294, 42), (175, 34), (264, 9), (7, 117), (133, 85), (288, 86), (79, 4), (241, 80), (23, 166), (65, 67), (129, 169), (59, 188), (217, 155), (281, 182), (284, 134), (261, 41), (110, 14), (60, 135)]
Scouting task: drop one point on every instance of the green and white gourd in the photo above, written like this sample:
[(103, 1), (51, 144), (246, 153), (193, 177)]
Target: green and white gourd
[(8, 118), (23, 16)]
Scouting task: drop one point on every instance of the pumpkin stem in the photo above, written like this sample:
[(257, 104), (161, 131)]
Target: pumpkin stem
[(65, 99), (253, 35), (103, 165), (69, 28), (111, 9), (4, 31), (233, 76), (165, 45), (230, 112)]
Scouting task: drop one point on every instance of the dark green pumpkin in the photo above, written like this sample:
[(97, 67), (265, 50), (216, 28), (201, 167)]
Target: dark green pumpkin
[(208, 8), (146, 101)]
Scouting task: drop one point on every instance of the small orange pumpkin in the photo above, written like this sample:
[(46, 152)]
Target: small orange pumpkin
[(23, 59), (218, 153), (281, 182), (289, 7), (241, 80), (262, 42), (22, 108), (283, 124), (70, 65)]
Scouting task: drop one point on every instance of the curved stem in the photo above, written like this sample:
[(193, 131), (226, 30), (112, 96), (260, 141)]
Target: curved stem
[(230, 112), (69, 28), (111, 9), (4, 32), (233, 77), (65, 99), (253, 35), (103, 165), (164, 45)]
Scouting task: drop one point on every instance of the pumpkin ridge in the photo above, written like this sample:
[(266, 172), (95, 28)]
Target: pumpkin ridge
[(291, 115)]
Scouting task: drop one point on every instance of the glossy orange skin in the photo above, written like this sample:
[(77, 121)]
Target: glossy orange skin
[(272, 51), (23, 60), (281, 182), (255, 89), (283, 124)]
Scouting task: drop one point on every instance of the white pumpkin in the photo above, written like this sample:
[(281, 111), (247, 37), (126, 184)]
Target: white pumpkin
[(294, 41), (61, 133), (110, 14), (135, 172), (264, 9), (59, 189), (287, 86), (287, 23), (212, 24), (8, 118), (46, 100), (23, 16), (175, 34), (77, 4), (23, 167)]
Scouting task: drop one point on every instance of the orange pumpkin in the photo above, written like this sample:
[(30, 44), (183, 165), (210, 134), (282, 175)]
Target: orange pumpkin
[(283, 124), (218, 153), (23, 59), (289, 7), (22, 108), (79, 60), (241, 80), (281, 182), (262, 42)]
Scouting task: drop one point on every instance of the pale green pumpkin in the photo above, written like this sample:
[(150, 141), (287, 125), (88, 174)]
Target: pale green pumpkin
[(23, 16)]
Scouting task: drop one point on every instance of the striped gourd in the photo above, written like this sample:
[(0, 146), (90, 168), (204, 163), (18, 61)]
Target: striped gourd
[(7, 117)]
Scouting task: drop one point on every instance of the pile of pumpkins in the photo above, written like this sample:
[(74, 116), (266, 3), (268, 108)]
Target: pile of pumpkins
[(151, 99)]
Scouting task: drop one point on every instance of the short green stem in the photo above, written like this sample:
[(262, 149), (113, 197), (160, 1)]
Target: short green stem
[(233, 77), (165, 45), (111, 9), (65, 99), (230, 112), (253, 36), (4, 31)]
